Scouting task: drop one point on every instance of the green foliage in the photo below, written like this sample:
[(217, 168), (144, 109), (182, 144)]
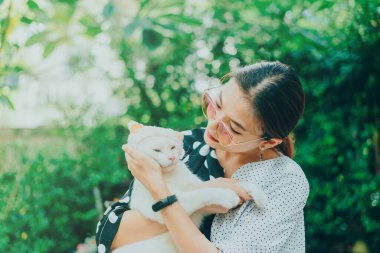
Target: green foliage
[(166, 46), (48, 190)]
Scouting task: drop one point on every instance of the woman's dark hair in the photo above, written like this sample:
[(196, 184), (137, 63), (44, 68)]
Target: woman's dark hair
[(277, 98)]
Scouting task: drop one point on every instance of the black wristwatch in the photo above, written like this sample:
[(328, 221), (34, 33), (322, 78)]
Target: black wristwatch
[(164, 202)]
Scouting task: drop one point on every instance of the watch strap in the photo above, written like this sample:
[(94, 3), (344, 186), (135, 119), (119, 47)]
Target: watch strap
[(164, 202)]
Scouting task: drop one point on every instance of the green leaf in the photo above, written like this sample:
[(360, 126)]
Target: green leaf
[(18, 68), (92, 31), (26, 20), (151, 38), (91, 25), (161, 4), (130, 28), (143, 3), (33, 5), (108, 10), (49, 48), (169, 27), (38, 37), (1, 1), (262, 6), (7, 101), (69, 2), (325, 5), (178, 18), (2, 23), (88, 21), (10, 104)]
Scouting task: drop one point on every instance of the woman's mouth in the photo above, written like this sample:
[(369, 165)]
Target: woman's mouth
[(210, 136)]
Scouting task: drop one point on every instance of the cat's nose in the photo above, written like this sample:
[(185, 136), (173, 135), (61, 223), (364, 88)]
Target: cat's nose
[(171, 158)]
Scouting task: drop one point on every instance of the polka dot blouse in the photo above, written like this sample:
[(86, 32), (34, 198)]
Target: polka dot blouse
[(279, 227)]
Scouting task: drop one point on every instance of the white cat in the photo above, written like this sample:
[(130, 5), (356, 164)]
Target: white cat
[(166, 147)]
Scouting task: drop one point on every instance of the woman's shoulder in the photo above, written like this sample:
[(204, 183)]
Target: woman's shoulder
[(290, 168), (274, 170), (292, 179)]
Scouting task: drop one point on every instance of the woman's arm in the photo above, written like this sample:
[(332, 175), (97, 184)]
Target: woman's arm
[(184, 233), (135, 227)]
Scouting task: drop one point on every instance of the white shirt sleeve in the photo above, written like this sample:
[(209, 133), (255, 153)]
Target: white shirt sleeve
[(269, 230)]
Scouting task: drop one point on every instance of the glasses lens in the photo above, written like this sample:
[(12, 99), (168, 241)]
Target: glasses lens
[(208, 107), (224, 135)]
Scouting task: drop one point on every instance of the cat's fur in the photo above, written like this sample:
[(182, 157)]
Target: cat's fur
[(160, 144)]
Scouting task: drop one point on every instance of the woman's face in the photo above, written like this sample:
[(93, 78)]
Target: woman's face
[(235, 110)]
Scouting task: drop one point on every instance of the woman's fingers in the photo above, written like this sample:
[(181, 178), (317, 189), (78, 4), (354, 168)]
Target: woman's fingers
[(227, 179), (138, 160), (128, 150), (130, 160), (131, 156), (131, 152), (132, 163), (228, 183), (242, 193), (136, 155), (125, 147), (239, 190)]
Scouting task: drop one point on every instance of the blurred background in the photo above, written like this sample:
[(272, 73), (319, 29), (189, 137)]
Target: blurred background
[(73, 73)]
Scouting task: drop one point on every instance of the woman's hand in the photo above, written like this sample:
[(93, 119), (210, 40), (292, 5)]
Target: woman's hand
[(227, 183), (145, 169)]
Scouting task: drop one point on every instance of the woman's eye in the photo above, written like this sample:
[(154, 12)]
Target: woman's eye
[(173, 147), (234, 131), (156, 150), (217, 105)]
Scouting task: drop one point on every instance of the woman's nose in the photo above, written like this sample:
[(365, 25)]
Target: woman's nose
[(219, 116), (171, 158)]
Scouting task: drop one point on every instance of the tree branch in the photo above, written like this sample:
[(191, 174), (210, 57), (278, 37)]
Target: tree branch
[(6, 25)]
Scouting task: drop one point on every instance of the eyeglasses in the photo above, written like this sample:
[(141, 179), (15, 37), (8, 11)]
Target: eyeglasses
[(209, 109)]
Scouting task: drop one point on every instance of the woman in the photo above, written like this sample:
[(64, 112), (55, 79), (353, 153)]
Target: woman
[(247, 138)]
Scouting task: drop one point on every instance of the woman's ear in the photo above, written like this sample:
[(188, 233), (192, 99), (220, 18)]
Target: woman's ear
[(133, 126), (270, 143)]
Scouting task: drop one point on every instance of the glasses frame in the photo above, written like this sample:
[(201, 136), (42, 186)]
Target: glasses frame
[(205, 95)]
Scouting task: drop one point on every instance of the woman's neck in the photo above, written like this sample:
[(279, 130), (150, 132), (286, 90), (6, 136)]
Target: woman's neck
[(232, 161)]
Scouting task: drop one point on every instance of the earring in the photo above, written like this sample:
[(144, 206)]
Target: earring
[(261, 154)]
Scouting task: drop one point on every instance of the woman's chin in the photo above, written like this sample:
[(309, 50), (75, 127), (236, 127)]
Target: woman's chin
[(210, 142)]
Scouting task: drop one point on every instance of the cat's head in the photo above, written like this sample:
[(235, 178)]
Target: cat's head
[(164, 145)]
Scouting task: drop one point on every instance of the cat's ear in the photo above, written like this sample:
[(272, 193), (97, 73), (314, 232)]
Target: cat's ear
[(133, 126), (179, 136)]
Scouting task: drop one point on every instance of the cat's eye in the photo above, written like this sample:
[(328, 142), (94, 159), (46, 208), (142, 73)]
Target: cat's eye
[(173, 147), (156, 150)]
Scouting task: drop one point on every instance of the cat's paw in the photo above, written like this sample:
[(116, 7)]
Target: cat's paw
[(256, 192), (224, 197)]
